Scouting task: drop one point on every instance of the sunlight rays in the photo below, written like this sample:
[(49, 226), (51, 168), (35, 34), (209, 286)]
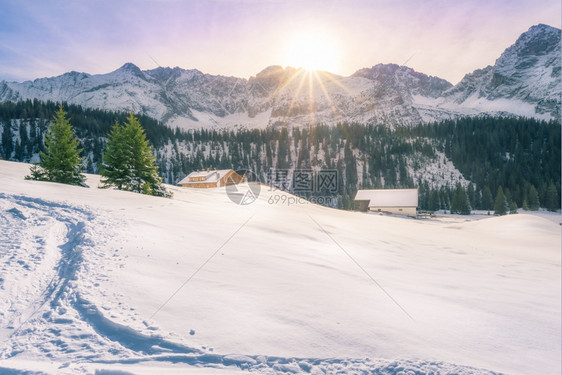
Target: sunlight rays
[(305, 91), (336, 111), (313, 81)]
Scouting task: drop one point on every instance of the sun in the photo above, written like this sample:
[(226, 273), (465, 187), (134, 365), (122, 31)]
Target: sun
[(313, 51)]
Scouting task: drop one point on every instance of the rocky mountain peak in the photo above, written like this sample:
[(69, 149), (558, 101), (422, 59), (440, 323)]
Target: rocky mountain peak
[(524, 81), (416, 83), (538, 40), (527, 73), (130, 69)]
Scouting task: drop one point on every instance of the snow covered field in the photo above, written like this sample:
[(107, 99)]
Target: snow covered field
[(106, 281)]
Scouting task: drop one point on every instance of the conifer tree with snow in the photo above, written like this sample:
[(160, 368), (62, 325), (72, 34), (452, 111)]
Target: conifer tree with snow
[(128, 161), (500, 204), (61, 161)]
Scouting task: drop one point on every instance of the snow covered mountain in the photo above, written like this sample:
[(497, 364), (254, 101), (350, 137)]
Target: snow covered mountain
[(525, 80)]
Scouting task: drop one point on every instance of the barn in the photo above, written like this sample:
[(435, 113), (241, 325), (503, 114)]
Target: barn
[(392, 201), (211, 179)]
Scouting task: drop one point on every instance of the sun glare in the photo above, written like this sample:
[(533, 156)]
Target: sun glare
[(313, 51)]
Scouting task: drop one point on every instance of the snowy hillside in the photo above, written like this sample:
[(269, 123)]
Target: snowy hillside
[(525, 81), (95, 280)]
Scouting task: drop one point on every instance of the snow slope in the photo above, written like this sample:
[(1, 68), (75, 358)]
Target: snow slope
[(103, 280)]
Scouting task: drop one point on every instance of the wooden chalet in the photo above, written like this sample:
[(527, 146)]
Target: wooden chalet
[(392, 201), (211, 179)]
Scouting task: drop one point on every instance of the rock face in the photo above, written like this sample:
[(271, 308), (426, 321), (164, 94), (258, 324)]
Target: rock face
[(527, 74), (525, 81)]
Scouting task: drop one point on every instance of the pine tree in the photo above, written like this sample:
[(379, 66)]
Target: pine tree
[(487, 200), (128, 163), (500, 205), (513, 207), (471, 195), (61, 161), (460, 203), (144, 173), (434, 200), (444, 197), (551, 202), (7, 141), (115, 169), (533, 197)]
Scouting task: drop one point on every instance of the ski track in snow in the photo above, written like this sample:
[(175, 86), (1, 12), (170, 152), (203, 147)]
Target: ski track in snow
[(53, 245)]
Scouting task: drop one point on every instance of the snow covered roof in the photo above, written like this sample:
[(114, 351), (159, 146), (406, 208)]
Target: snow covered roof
[(389, 197), (204, 176)]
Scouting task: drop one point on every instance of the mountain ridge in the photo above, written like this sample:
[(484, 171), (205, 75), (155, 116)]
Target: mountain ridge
[(524, 81)]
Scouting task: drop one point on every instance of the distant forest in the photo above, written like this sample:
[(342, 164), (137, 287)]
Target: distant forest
[(520, 155)]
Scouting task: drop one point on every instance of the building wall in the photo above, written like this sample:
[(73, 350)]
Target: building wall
[(406, 211), (362, 205), (229, 177), (200, 185)]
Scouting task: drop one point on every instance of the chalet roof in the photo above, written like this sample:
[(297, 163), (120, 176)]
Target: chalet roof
[(210, 176), (389, 197)]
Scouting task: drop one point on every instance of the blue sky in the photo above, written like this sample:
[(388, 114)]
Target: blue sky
[(239, 38)]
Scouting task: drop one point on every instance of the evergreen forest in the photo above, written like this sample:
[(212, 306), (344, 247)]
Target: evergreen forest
[(519, 156)]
